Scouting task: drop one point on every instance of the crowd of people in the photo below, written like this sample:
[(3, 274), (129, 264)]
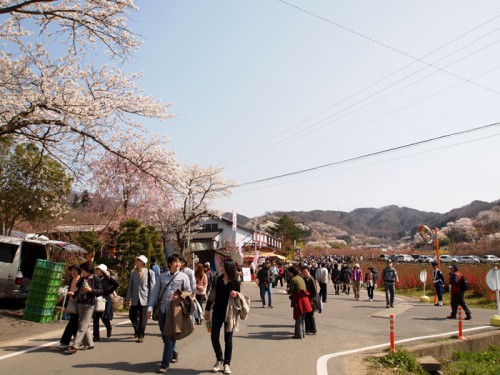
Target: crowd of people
[(218, 300)]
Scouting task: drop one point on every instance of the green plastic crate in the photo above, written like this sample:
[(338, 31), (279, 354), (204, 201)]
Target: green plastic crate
[(33, 317), (46, 273), (39, 310), (44, 288), (46, 302), (53, 266)]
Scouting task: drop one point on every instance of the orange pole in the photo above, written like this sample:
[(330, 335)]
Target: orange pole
[(437, 258), (393, 348), (460, 333), (437, 247)]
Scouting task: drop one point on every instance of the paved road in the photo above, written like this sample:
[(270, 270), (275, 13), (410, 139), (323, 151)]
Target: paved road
[(262, 346)]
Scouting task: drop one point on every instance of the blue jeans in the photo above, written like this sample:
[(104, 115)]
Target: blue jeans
[(439, 290), (168, 342), (263, 295)]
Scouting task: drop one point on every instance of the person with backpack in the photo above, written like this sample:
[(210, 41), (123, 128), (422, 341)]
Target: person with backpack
[(346, 279), (438, 280), (458, 286), (390, 277)]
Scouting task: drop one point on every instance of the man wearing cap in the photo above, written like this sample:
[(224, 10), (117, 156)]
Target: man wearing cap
[(390, 277), (457, 294), (141, 283), (438, 280)]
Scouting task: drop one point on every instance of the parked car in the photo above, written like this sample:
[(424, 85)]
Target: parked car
[(468, 259), (383, 257), (425, 258), (403, 258), (490, 259), (447, 259), (18, 258)]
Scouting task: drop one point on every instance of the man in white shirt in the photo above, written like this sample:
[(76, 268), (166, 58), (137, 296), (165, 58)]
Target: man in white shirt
[(322, 279)]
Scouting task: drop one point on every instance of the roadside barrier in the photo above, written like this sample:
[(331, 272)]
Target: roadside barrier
[(460, 331), (391, 335)]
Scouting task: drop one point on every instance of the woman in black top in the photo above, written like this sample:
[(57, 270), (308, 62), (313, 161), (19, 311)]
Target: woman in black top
[(109, 285), (88, 288), (227, 285)]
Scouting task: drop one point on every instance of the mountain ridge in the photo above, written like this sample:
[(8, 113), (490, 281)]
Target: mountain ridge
[(391, 222)]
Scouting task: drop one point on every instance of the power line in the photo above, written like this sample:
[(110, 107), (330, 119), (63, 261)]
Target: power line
[(372, 154), (377, 162), (296, 134)]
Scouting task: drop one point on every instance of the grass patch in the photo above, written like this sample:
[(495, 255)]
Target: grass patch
[(481, 363), (400, 362), (472, 301)]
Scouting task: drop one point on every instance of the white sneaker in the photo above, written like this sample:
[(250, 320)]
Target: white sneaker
[(227, 370), (217, 366)]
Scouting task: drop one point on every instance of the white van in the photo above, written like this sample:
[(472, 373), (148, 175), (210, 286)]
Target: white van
[(18, 258)]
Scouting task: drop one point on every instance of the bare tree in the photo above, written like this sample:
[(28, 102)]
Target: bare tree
[(194, 190)]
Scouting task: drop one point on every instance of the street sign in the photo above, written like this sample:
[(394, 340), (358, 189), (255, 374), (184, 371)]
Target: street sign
[(423, 276), (493, 279)]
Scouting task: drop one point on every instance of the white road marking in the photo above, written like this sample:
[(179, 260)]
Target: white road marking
[(44, 345), (322, 368)]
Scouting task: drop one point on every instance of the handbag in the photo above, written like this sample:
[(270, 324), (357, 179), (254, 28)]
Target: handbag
[(100, 304), (71, 307), (156, 308)]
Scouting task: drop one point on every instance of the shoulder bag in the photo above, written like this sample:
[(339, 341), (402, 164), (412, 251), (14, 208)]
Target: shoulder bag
[(156, 309), (100, 304)]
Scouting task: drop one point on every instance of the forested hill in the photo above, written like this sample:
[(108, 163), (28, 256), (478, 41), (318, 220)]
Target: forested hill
[(386, 222)]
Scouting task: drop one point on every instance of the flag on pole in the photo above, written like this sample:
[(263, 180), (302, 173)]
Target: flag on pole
[(235, 218)]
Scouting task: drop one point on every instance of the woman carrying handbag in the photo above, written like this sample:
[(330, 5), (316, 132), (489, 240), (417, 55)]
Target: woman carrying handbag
[(88, 288), (70, 308)]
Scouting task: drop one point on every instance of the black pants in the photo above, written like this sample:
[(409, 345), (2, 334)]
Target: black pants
[(322, 291), (139, 318), (310, 322), (70, 330), (102, 316), (458, 299), (217, 324)]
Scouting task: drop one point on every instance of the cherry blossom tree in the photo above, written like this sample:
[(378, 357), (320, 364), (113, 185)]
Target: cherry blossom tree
[(461, 230), (56, 91), (124, 190)]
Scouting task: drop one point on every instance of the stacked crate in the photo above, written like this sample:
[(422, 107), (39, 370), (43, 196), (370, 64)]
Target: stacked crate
[(44, 290)]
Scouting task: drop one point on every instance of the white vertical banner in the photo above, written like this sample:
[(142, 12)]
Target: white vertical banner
[(260, 240), (235, 218), (240, 250), (256, 260)]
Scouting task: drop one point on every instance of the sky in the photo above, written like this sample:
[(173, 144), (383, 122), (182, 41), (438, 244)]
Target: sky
[(264, 88)]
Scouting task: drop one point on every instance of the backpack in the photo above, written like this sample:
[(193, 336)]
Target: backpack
[(463, 283)]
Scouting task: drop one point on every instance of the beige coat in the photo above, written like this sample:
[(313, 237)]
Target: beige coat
[(237, 308), (179, 323)]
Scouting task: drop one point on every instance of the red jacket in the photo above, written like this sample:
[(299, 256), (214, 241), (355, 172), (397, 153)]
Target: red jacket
[(455, 278), (301, 303)]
